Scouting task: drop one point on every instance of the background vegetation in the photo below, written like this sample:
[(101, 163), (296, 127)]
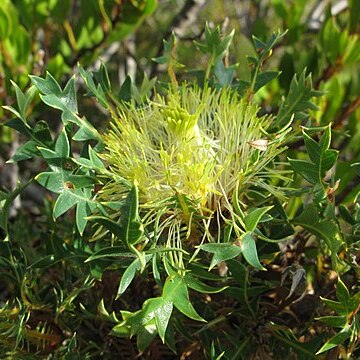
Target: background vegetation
[(68, 291)]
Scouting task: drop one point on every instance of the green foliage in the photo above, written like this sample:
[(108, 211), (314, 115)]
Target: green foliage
[(346, 319), (200, 217)]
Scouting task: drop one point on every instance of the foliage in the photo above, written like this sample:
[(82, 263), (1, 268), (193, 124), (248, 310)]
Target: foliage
[(212, 217)]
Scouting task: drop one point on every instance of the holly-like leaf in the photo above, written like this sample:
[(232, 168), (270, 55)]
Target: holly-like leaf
[(297, 102), (169, 56), (64, 100), (342, 293), (336, 340), (23, 101), (82, 199), (156, 312), (264, 78), (96, 90), (221, 251), (224, 75), (62, 145), (175, 290), (125, 90), (129, 275), (334, 321), (110, 252), (215, 44), (324, 229), (248, 247), (130, 228), (199, 286), (322, 159), (59, 181), (252, 219)]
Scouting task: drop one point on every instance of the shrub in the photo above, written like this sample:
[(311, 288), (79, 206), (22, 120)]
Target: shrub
[(190, 221)]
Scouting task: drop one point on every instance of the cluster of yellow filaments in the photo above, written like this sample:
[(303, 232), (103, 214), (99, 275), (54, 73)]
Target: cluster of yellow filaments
[(195, 146)]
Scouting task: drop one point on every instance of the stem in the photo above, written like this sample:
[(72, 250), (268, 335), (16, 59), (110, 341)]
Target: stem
[(246, 297), (208, 69), (240, 348), (294, 345)]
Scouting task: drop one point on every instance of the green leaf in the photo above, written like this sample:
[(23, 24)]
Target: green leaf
[(322, 160), (19, 125), (63, 203), (297, 102), (354, 13), (201, 287), (215, 44), (312, 148), (308, 216), (131, 226), (221, 251), (23, 100), (169, 57), (334, 321), (346, 215), (130, 229), (153, 317), (330, 40), (125, 90), (342, 293), (145, 336), (85, 206), (325, 229), (248, 247), (62, 145), (329, 231), (46, 86), (51, 181), (335, 306), (162, 309), (25, 151), (264, 78), (56, 162), (224, 74), (109, 252), (64, 100), (129, 275), (59, 181), (96, 91), (42, 135), (69, 96), (252, 219), (142, 93), (354, 302), (175, 290), (264, 51), (6, 24), (336, 340), (306, 169), (104, 78), (328, 160), (109, 224)]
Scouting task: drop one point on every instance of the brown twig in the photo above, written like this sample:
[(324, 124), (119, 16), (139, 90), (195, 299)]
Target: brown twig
[(348, 110), (328, 72)]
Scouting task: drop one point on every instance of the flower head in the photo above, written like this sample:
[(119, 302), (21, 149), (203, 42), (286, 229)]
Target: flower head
[(189, 152)]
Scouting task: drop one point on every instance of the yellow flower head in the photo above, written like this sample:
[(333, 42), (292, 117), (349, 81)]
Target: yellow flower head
[(189, 152)]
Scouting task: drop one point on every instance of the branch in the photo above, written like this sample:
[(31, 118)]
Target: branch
[(349, 109)]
